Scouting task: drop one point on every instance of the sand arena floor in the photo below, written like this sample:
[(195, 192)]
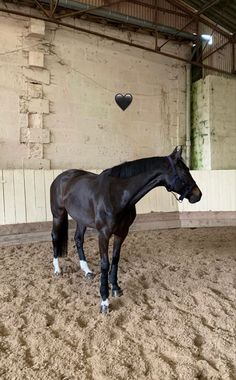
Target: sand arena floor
[(176, 319)]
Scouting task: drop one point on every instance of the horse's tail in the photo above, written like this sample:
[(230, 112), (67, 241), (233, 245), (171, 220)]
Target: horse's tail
[(60, 235), (60, 218)]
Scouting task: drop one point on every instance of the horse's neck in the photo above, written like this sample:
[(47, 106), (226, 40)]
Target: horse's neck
[(128, 191), (143, 183)]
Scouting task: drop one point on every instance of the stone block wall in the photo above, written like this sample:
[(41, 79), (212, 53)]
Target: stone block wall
[(33, 105), (57, 90), (57, 95)]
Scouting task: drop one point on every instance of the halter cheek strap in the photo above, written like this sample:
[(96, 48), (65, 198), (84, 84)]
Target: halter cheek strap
[(175, 175), (187, 190)]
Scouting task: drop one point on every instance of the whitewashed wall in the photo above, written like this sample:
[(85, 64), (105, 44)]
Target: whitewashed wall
[(57, 96), (24, 195), (214, 123)]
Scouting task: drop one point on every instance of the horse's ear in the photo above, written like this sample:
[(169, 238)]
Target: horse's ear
[(177, 152)]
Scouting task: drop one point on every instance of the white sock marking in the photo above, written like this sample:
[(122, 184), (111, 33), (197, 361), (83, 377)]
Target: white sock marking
[(57, 269), (105, 303), (84, 266)]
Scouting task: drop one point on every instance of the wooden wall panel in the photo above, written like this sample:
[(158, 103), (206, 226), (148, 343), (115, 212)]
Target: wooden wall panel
[(30, 196), (48, 178), (157, 200), (218, 191), (25, 198), (9, 197), (19, 191), (40, 195), (56, 173), (2, 210)]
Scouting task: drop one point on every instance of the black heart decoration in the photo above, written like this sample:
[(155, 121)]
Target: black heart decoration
[(123, 101)]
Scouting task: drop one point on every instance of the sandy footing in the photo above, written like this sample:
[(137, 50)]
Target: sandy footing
[(176, 319)]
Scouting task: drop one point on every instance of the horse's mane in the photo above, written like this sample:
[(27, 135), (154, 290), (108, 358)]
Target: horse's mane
[(132, 168)]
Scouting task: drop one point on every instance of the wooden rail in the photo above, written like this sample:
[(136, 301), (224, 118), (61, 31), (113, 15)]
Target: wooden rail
[(24, 195)]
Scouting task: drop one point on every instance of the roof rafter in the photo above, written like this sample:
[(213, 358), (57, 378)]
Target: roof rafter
[(53, 7), (198, 13), (81, 12), (118, 40), (215, 50), (45, 12), (200, 18)]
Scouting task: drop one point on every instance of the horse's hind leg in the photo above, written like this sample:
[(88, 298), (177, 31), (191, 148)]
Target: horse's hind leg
[(59, 238), (104, 289), (79, 241), (119, 237)]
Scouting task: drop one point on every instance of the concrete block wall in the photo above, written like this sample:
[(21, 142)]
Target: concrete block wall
[(57, 95), (214, 123), (223, 121), (201, 144), (33, 103), (36, 59), (36, 28), (88, 128), (12, 86)]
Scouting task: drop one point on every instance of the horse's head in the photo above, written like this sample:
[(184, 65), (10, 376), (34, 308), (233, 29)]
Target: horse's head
[(179, 178)]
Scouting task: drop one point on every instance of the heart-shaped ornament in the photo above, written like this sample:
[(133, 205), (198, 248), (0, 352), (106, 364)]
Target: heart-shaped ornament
[(123, 101)]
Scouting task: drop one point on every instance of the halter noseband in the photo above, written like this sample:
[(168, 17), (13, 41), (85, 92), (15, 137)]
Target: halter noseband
[(176, 178)]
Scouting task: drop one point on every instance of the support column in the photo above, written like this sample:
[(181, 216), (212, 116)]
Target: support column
[(33, 106)]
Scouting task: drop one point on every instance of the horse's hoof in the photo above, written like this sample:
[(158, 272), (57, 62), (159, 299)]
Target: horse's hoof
[(117, 292), (104, 309), (58, 274), (89, 276)]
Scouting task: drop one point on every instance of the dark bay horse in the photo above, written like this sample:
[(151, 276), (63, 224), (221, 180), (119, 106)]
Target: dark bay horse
[(106, 202)]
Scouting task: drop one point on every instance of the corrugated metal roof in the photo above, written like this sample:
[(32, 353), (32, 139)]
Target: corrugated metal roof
[(223, 12)]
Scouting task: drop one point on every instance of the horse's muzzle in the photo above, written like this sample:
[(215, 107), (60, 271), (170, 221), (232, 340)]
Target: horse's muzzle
[(195, 195)]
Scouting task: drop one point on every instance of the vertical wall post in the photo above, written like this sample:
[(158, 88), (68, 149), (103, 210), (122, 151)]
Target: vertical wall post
[(188, 114)]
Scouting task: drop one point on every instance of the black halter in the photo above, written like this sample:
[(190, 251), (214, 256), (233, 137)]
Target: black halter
[(186, 190)]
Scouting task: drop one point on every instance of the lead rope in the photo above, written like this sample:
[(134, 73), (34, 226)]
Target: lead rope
[(179, 200), (175, 174)]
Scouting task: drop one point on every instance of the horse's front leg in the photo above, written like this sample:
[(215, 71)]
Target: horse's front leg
[(113, 275), (104, 289)]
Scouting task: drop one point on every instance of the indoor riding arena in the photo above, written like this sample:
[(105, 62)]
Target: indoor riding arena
[(117, 190)]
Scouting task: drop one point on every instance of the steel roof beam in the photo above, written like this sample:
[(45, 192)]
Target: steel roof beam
[(53, 7), (46, 13), (53, 20), (198, 13), (123, 19), (81, 12), (215, 50), (199, 17)]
